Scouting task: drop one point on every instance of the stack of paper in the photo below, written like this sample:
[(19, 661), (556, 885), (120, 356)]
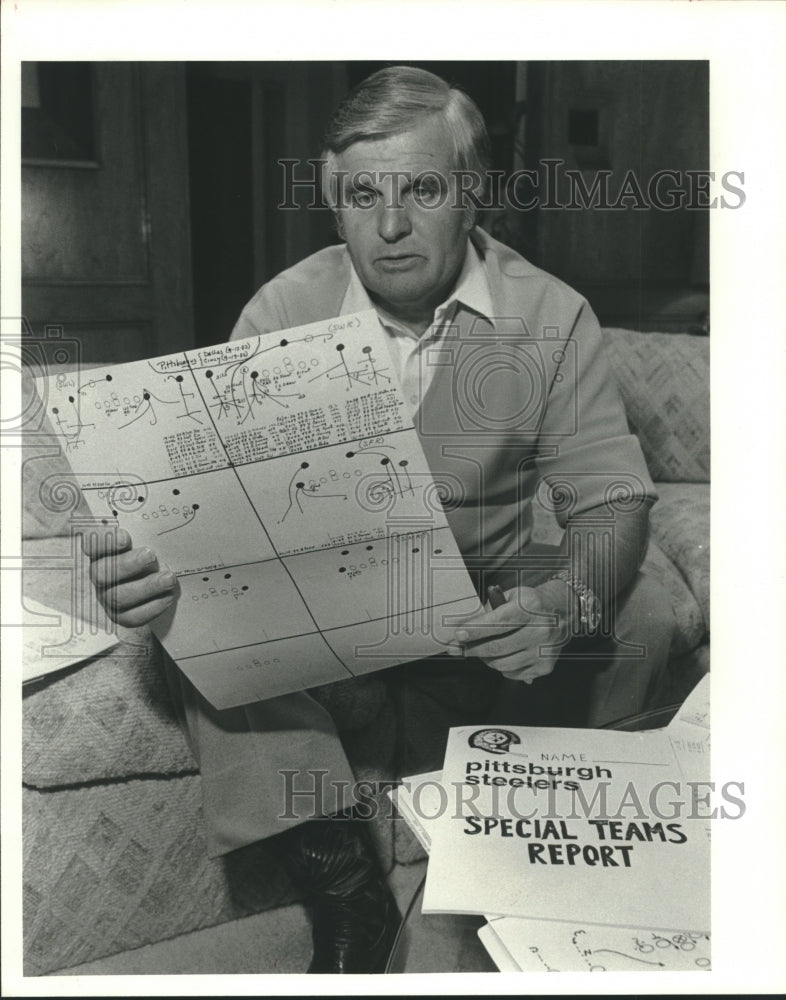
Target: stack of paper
[(612, 874)]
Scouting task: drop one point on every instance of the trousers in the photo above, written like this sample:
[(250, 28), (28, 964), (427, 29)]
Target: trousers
[(252, 757)]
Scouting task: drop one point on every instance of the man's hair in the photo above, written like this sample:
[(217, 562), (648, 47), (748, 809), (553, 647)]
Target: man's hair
[(395, 100)]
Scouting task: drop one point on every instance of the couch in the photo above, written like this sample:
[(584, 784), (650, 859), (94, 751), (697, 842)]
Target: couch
[(114, 852)]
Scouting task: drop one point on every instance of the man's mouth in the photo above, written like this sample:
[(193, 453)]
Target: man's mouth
[(399, 261)]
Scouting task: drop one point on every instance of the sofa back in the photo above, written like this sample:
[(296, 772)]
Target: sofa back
[(664, 380)]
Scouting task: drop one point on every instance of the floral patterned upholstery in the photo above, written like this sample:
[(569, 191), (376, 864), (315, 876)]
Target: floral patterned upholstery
[(664, 382), (690, 630), (680, 523)]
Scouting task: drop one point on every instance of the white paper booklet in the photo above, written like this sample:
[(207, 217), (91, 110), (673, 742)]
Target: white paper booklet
[(551, 946), (420, 800), (518, 944), (689, 732), (282, 480), (695, 710), (585, 826), (499, 955)]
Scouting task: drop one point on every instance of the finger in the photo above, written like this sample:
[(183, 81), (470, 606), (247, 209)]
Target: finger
[(454, 649), (145, 613), (519, 642), (526, 667), (502, 620), (111, 571), (530, 674), (510, 665), (526, 676), (486, 614), (133, 594), (472, 633), (109, 540)]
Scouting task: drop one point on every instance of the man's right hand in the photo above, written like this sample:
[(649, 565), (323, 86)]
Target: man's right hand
[(128, 583)]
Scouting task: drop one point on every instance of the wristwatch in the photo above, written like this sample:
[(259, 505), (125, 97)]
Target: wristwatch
[(589, 604)]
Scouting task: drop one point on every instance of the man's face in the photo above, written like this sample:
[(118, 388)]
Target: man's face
[(407, 240)]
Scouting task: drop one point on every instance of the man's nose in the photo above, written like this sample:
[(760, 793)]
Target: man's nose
[(394, 222)]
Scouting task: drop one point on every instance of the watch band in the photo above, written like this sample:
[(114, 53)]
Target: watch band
[(589, 604)]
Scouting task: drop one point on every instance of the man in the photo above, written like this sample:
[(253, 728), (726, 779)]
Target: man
[(525, 398)]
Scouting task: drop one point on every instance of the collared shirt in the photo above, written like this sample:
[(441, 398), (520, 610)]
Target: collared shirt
[(407, 349)]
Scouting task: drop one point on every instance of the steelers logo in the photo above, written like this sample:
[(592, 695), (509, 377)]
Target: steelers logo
[(493, 740)]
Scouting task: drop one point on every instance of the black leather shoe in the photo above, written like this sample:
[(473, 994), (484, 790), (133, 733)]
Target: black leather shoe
[(355, 917)]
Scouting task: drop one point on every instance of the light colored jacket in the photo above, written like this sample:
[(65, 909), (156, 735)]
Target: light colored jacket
[(526, 403)]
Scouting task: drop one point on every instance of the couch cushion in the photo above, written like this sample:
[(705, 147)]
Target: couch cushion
[(664, 381), (109, 717), (691, 630), (113, 867), (49, 490), (680, 523)]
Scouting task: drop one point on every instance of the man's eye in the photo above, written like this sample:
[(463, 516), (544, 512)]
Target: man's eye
[(426, 193), (363, 199)]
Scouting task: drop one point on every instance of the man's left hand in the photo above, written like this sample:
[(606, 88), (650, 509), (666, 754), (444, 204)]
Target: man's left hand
[(521, 639)]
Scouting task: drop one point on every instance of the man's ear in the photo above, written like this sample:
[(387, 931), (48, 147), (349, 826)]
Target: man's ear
[(337, 218)]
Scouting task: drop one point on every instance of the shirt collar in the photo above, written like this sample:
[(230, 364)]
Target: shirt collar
[(471, 291)]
